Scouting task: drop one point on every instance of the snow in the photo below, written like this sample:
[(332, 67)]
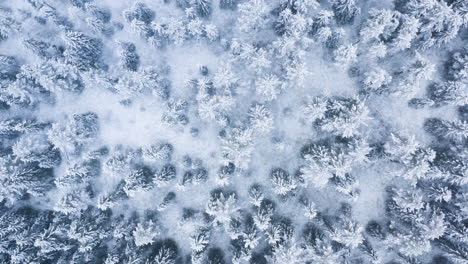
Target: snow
[(134, 119)]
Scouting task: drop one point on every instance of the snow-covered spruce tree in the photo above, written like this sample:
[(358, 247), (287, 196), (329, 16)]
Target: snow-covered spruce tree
[(414, 224), (176, 113), (139, 11), (140, 179), (376, 80), (406, 80), (224, 173), (13, 127), (71, 135), (237, 146), (164, 252), (452, 93), (283, 182), (73, 201), (380, 25), (405, 33), (57, 77), (19, 178), (325, 160), (222, 206), (452, 130), (457, 66), (268, 87), (451, 167), (260, 119), (79, 174), (9, 68), (340, 116), (256, 194), (439, 22), (157, 152), (194, 177), (129, 58), (122, 159), (42, 49), (82, 51), (254, 16), (98, 19), (413, 159), (200, 240), (25, 91), (228, 4), (308, 207), (8, 24), (146, 232), (345, 11), (34, 147), (263, 214), (166, 174)]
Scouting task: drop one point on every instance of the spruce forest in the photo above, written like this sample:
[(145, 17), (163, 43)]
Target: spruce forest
[(233, 131)]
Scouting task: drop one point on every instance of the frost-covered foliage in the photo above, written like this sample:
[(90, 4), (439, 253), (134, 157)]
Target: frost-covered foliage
[(233, 131)]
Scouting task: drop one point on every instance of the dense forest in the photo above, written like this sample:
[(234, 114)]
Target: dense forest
[(234, 131)]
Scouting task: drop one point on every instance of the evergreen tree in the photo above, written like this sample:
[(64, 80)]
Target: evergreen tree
[(454, 93), (283, 182), (129, 59), (77, 130), (345, 11), (140, 179), (82, 51), (42, 49), (222, 206), (19, 179)]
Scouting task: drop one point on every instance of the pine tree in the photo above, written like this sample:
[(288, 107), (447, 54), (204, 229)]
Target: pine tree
[(79, 174), (57, 77), (203, 7), (345, 55)]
